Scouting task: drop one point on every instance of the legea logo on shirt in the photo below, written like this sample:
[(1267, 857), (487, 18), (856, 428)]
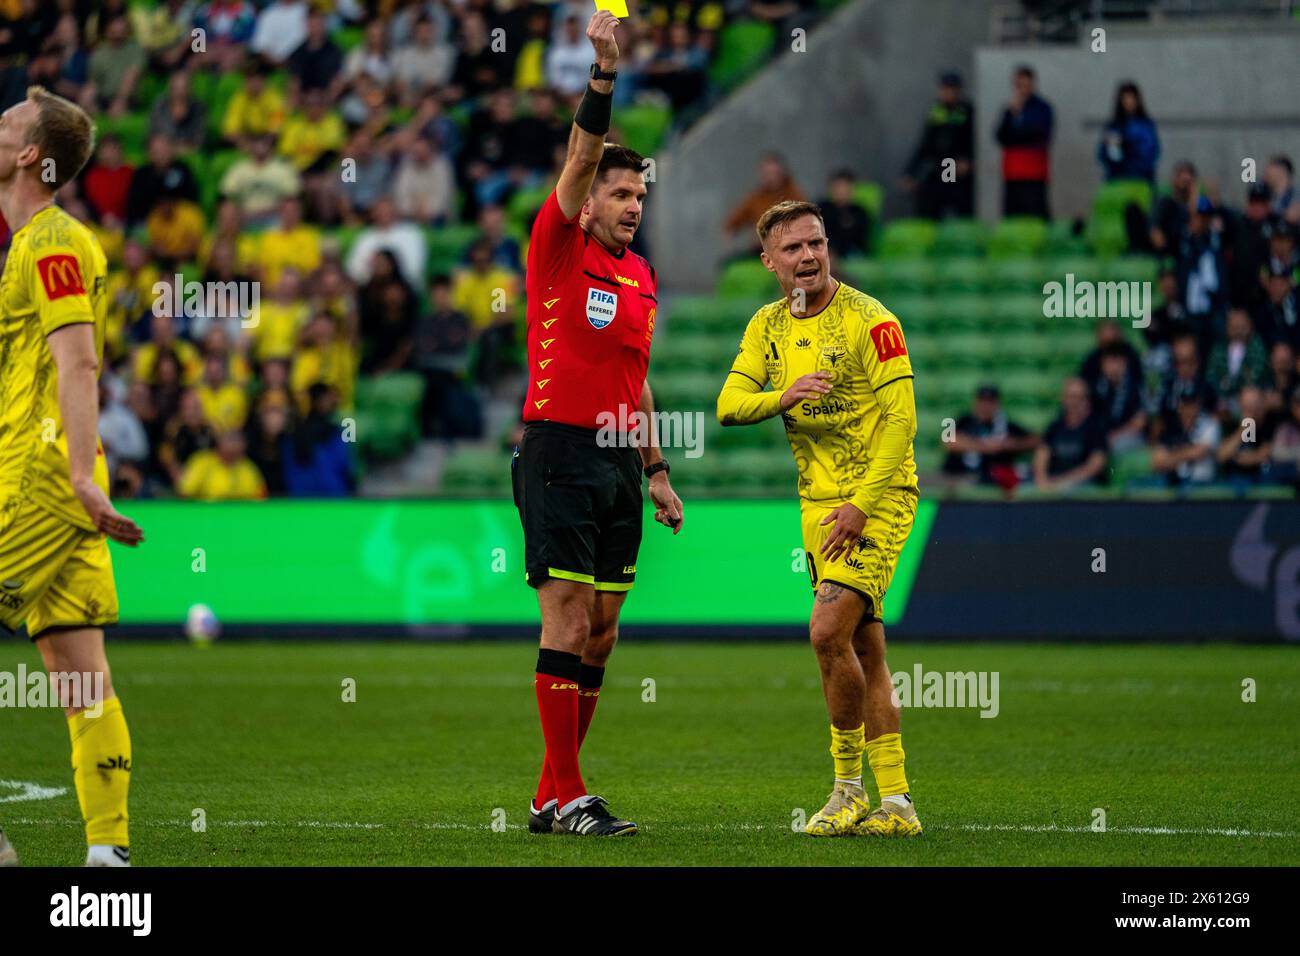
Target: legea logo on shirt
[(601, 306)]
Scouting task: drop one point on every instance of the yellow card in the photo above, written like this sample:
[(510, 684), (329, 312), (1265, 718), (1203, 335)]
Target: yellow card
[(616, 7)]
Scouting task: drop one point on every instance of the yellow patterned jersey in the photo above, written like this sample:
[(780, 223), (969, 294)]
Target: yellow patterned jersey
[(55, 276), (855, 442)]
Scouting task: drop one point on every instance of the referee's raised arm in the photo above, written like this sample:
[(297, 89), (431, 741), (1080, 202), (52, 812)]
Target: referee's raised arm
[(591, 122)]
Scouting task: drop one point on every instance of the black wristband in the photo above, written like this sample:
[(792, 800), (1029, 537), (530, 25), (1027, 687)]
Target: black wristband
[(594, 112), (651, 470)]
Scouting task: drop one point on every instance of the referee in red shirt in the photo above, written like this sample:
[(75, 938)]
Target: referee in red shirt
[(591, 317)]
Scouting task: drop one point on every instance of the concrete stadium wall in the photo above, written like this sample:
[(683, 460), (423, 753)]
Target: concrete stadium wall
[(857, 97), (1218, 93)]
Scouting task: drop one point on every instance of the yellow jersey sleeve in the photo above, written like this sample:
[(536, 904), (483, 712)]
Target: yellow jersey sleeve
[(742, 400), (59, 292), (888, 368)]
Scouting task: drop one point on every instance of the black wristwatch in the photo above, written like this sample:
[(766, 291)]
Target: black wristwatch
[(652, 470), (598, 74)]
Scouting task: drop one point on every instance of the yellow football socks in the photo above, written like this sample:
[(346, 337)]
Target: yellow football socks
[(101, 770), (846, 748), (885, 755)]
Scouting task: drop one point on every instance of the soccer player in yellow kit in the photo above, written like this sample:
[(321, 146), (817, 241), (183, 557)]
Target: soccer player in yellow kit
[(842, 383), (55, 517)]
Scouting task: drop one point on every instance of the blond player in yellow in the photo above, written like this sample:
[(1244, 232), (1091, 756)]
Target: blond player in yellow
[(842, 383), (55, 516)]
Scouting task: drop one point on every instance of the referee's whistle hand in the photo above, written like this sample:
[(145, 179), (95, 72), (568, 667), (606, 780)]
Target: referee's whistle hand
[(668, 507)]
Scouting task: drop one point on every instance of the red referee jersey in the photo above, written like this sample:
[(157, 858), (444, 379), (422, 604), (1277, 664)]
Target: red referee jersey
[(591, 316)]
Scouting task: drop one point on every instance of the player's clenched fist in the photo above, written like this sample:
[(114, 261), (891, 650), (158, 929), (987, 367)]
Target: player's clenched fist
[(600, 31), (813, 385)]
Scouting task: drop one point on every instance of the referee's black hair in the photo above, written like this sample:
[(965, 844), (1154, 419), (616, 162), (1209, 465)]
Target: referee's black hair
[(617, 156)]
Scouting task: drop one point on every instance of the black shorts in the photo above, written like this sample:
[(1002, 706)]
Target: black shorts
[(580, 505)]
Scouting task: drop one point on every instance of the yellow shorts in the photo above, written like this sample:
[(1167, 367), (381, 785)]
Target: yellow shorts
[(53, 574), (869, 566)]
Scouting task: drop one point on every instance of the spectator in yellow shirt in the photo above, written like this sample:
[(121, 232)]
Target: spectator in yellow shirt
[(163, 338), (175, 229), (290, 243), (279, 322), (162, 32), (256, 110), (312, 135), (327, 357), (225, 474), (486, 292), (130, 295), (225, 405)]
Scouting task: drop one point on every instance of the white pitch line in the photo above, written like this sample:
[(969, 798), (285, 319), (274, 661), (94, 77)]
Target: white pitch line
[(683, 827), (29, 791)]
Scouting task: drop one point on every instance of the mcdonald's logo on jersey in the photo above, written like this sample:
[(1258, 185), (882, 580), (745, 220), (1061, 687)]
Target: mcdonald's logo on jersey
[(61, 275), (887, 337)]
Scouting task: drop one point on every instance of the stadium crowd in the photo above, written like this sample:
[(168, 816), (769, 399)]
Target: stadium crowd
[(1213, 393), (309, 156), (355, 132)]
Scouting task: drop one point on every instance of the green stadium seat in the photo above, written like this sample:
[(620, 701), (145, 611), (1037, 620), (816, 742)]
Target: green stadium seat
[(218, 165), (928, 350), (1030, 350), (524, 204), (1106, 236), (1029, 386), (955, 389), (1129, 465), (1114, 196), (389, 405), (1081, 267), (1132, 269), (961, 275), (871, 197), (1018, 275), (686, 391), (748, 277), (863, 273), (907, 239), (758, 471), (224, 90), (1017, 236), (908, 277), (131, 128), (968, 311), (680, 349), (348, 38), (202, 84), (721, 315), (1017, 312), (447, 245), (960, 238), (1031, 416), (975, 350), (644, 126), (743, 47), (918, 313), (1062, 241), (477, 471)]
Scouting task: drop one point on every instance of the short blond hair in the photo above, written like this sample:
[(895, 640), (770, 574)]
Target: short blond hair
[(62, 132), (784, 213)]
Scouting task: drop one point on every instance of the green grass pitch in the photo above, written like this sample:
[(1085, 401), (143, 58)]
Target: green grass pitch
[(442, 742)]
